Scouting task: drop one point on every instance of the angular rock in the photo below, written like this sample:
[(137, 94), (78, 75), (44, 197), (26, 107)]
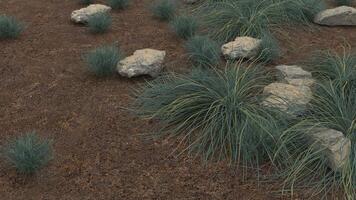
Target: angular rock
[(142, 62), (308, 82), (241, 47), (333, 144), (286, 97), (340, 16), (295, 75), (293, 71), (82, 15)]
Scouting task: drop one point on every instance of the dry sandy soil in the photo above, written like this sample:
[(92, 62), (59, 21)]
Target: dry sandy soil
[(100, 150)]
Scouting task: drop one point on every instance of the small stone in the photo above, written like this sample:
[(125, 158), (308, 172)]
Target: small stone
[(295, 75), (286, 97), (241, 47), (142, 62), (333, 144), (82, 15), (340, 16)]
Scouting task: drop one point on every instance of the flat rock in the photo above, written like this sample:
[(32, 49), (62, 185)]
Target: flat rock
[(241, 47), (308, 82), (295, 75), (286, 97), (82, 15), (340, 16), (142, 62), (333, 144)]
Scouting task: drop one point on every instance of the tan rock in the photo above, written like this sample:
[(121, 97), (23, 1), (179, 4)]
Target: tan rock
[(142, 62), (82, 15), (241, 47)]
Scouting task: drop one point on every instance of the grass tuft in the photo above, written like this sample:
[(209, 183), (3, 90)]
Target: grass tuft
[(216, 114), (306, 166), (333, 106), (99, 23), (328, 65), (203, 51), (118, 4), (184, 26), (102, 61), (344, 2), (164, 9), (269, 48), (29, 153), (227, 19), (10, 28), (86, 2)]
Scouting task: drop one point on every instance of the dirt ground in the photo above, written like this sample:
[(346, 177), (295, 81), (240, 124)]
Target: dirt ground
[(100, 152)]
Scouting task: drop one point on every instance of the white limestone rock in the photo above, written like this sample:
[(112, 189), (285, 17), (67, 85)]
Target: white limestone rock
[(287, 98), (142, 62), (82, 15), (340, 16), (241, 47), (295, 75), (333, 144)]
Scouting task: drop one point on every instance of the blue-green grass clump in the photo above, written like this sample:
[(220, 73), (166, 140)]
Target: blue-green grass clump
[(164, 9), (10, 28), (203, 51), (216, 114), (86, 2), (184, 26), (329, 65), (99, 23), (118, 4), (344, 2), (269, 49), (333, 106), (225, 20), (102, 61), (29, 153)]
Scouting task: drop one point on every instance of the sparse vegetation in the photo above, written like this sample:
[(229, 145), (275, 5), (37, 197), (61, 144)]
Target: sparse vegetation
[(184, 26), (164, 9), (118, 4), (102, 61), (99, 23), (203, 51), (9, 27), (29, 153), (276, 136)]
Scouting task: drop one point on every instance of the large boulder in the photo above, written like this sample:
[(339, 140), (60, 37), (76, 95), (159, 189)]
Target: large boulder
[(142, 62), (340, 16), (241, 47), (82, 15), (287, 98), (294, 75), (333, 144)]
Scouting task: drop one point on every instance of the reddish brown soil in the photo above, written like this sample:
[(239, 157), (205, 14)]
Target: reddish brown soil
[(99, 149)]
